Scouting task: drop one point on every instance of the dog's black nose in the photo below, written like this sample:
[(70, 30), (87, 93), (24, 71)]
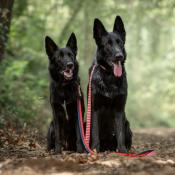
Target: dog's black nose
[(119, 56), (70, 65)]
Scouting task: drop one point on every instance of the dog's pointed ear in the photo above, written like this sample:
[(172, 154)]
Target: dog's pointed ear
[(98, 30), (119, 27), (50, 46), (72, 43)]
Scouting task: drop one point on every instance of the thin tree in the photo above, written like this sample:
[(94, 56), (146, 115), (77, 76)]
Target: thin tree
[(6, 7)]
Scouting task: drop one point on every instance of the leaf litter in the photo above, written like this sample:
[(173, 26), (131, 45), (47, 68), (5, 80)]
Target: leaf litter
[(23, 152)]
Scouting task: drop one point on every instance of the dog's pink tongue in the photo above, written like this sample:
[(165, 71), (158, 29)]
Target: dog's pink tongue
[(118, 69)]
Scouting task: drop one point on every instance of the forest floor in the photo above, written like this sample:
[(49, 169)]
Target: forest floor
[(26, 155)]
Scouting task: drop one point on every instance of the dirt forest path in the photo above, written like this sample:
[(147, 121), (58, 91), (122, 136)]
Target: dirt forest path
[(34, 160)]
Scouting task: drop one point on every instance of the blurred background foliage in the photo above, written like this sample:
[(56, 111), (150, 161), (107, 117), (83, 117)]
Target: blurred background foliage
[(150, 27)]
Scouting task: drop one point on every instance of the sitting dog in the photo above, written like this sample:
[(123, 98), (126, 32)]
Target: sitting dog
[(64, 92), (110, 127)]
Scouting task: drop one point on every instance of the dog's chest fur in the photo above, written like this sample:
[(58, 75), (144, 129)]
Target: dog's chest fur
[(105, 84), (63, 94)]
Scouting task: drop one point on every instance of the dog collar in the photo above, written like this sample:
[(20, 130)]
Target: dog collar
[(102, 67)]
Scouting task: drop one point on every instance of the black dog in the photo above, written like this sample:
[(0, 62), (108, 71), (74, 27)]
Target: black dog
[(110, 127), (63, 68)]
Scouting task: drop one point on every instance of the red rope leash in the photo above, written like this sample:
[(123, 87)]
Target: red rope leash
[(88, 118), (86, 138)]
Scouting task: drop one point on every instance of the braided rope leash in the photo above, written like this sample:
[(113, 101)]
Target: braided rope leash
[(86, 138), (88, 118)]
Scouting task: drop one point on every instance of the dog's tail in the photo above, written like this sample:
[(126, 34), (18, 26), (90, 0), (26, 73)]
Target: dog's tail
[(51, 137)]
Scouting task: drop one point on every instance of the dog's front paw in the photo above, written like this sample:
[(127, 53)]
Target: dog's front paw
[(122, 150), (96, 147), (80, 148), (57, 149)]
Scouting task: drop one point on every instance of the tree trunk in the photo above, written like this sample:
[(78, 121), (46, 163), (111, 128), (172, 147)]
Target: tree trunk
[(5, 20), (69, 22)]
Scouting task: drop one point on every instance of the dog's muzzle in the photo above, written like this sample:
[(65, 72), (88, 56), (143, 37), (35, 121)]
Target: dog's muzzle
[(68, 72)]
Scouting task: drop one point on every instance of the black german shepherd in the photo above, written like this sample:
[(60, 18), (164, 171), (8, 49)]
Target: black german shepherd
[(63, 67), (110, 127)]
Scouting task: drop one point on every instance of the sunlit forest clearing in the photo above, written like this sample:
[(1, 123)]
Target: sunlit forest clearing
[(25, 110)]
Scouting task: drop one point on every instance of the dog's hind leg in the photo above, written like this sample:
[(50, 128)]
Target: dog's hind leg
[(51, 137)]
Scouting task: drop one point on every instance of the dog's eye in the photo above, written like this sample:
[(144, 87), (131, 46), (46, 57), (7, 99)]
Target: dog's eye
[(110, 42), (57, 59), (61, 54), (117, 41), (69, 54)]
